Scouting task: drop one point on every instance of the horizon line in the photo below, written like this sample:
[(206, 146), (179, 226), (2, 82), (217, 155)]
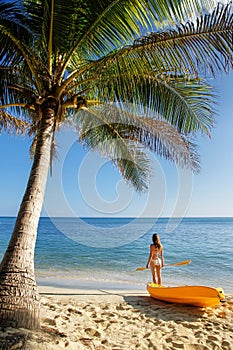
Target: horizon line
[(124, 217)]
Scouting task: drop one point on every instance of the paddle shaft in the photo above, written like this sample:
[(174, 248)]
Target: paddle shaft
[(185, 262)]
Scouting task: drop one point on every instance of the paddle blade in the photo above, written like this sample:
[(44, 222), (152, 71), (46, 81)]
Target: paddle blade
[(141, 268), (185, 262)]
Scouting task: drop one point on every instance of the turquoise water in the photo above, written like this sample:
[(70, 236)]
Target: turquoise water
[(100, 252)]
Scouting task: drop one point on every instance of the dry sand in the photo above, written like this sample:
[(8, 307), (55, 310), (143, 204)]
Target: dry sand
[(122, 320)]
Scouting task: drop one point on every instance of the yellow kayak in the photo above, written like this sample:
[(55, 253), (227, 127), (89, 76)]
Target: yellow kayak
[(200, 296)]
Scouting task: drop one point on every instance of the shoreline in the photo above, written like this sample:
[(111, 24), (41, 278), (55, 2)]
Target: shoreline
[(111, 289), (92, 295), (111, 285), (80, 284)]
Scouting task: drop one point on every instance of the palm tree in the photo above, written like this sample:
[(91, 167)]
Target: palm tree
[(90, 64)]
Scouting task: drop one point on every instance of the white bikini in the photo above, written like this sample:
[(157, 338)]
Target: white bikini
[(157, 259)]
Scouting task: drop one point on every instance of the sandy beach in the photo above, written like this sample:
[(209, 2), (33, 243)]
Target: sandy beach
[(77, 319)]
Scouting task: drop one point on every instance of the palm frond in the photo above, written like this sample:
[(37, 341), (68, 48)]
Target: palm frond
[(173, 11), (18, 92), (165, 67), (12, 124), (186, 103), (11, 28), (165, 141), (193, 47), (135, 170), (114, 24), (107, 128), (130, 159), (104, 26), (16, 40)]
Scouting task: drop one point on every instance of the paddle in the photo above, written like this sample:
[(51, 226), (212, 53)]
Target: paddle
[(185, 262)]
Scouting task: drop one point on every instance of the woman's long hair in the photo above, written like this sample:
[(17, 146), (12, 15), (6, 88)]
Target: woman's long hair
[(156, 241)]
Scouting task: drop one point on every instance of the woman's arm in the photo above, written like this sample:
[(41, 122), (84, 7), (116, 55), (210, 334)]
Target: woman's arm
[(149, 259), (162, 257)]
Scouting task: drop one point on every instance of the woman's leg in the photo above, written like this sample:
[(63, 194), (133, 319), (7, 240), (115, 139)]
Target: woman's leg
[(152, 267), (158, 272)]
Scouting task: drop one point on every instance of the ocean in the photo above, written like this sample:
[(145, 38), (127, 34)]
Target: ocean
[(105, 252)]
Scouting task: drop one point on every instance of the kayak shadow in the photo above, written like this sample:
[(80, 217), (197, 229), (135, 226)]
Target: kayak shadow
[(165, 311)]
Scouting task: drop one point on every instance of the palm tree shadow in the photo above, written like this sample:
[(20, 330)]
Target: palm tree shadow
[(153, 308), (11, 338)]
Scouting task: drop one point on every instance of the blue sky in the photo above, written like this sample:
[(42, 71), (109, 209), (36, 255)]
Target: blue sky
[(83, 184)]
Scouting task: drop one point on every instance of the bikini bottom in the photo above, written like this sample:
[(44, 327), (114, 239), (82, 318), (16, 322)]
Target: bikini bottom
[(157, 262)]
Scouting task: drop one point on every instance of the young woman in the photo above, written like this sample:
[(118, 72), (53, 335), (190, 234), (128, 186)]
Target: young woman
[(156, 260)]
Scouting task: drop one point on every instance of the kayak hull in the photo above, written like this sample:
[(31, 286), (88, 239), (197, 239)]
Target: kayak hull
[(200, 296)]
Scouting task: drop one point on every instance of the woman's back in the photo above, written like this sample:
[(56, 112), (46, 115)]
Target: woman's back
[(156, 251)]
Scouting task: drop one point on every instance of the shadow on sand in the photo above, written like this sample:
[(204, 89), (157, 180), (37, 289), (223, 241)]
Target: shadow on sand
[(148, 306), (153, 308)]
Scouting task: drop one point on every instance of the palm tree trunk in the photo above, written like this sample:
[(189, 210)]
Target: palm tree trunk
[(19, 297)]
